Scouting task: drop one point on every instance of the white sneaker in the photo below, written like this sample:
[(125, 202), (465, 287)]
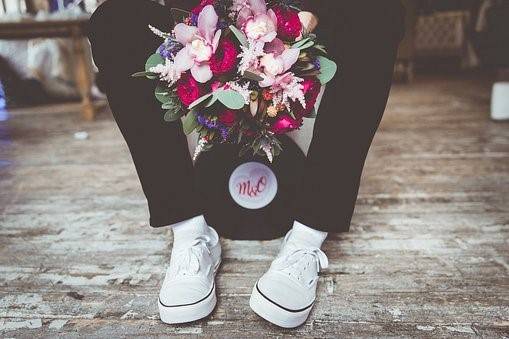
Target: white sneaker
[(286, 293), (188, 292)]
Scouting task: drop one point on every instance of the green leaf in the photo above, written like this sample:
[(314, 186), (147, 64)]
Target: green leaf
[(239, 35), (142, 74), (230, 98), (163, 94), (179, 15), (320, 48), (300, 42), (328, 69), (171, 104), (252, 76), (190, 123), (152, 61), (306, 45), (212, 100), (172, 115), (200, 100)]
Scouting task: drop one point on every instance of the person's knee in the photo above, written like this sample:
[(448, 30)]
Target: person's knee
[(386, 20), (119, 35)]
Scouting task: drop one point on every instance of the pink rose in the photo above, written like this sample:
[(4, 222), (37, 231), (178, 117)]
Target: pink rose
[(225, 58), (289, 26), (188, 90), (285, 123)]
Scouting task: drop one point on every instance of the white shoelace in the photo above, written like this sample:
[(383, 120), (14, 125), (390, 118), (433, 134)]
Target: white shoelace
[(187, 261), (292, 262)]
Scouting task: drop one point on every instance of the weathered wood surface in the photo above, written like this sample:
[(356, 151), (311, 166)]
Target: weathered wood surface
[(428, 254)]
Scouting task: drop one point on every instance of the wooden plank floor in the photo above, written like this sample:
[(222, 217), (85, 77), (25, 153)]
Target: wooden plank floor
[(428, 254)]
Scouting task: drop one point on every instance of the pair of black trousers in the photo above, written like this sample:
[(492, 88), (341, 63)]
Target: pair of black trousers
[(362, 37)]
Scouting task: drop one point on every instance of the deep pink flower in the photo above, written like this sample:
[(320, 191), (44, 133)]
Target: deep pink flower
[(228, 117), (289, 26), (188, 89), (203, 3), (311, 89), (285, 123), (225, 58)]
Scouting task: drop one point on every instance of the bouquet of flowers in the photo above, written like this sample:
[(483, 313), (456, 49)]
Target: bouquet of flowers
[(240, 71)]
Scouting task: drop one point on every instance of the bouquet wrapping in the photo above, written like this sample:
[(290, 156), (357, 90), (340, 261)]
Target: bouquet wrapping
[(240, 71)]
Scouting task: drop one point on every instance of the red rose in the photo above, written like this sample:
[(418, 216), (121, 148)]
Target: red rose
[(228, 117), (225, 58), (289, 26), (188, 90), (285, 123), (311, 89), (197, 10)]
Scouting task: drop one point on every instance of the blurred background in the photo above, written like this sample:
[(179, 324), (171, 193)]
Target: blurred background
[(37, 53), (428, 253)]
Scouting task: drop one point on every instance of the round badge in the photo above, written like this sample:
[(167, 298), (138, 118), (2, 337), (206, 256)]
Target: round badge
[(253, 185)]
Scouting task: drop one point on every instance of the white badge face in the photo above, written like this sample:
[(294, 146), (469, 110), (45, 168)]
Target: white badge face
[(253, 185)]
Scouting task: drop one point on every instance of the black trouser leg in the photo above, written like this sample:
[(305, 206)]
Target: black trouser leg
[(362, 36), (121, 43)]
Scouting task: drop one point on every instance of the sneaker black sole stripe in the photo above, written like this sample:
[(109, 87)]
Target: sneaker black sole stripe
[(282, 307), (190, 304)]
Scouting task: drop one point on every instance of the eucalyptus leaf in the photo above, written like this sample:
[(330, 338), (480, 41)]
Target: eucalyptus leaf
[(239, 35), (306, 45), (328, 69), (162, 94), (152, 61), (168, 105), (190, 123), (200, 100), (230, 98), (172, 115), (211, 101), (300, 42)]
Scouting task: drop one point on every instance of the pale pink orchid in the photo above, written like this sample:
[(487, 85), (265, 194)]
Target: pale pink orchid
[(288, 87), (200, 43), (274, 64), (257, 22)]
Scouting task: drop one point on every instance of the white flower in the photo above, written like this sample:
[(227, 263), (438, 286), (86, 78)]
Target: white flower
[(250, 56), (158, 32), (167, 72), (268, 152), (262, 27), (199, 148), (200, 50), (272, 65)]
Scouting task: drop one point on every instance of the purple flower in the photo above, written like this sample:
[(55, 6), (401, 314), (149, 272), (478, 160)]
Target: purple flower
[(169, 49), (316, 63), (194, 19), (212, 124)]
